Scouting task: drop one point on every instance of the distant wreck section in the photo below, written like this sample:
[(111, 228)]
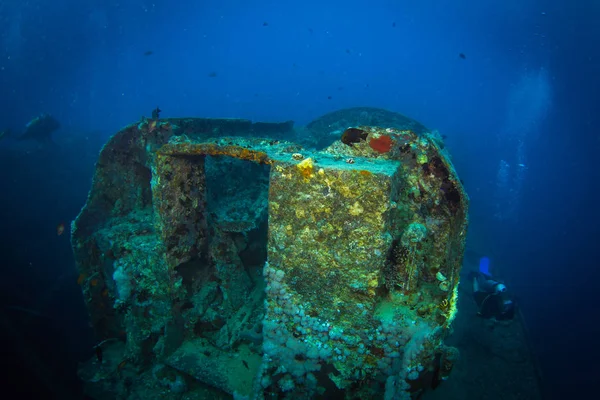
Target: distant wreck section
[(217, 264)]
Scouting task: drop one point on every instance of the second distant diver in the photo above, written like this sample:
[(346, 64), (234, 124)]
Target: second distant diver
[(39, 129)]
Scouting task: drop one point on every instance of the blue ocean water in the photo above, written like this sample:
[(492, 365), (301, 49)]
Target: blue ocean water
[(513, 86)]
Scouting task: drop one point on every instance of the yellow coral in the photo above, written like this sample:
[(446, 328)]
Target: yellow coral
[(449, 307), (289, 230), (373, 284), (356, 209), (306, 167), (345, 191)]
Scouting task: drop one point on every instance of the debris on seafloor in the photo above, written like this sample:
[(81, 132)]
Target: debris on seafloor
[(226, 264)]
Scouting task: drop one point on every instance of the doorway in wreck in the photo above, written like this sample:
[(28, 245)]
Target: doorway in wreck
[(224, 287)]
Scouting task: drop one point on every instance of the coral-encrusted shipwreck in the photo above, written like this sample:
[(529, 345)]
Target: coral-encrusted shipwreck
[(216, 264)]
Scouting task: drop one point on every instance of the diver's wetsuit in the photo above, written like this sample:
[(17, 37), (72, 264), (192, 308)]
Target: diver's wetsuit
[(491, 303)]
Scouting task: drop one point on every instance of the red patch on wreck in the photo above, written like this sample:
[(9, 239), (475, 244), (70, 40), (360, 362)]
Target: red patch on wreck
[(381, 144)]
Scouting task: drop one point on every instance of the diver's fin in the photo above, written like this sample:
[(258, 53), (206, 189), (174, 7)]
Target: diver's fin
[(484, 265)]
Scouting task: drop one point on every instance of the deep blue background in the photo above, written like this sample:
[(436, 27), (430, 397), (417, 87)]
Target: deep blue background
[(84, 62)]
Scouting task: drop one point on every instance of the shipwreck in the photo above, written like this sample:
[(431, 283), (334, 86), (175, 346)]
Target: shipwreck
[(220, 258)]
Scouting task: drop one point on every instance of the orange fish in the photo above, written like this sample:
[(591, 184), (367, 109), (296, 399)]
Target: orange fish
[(80, 279), (60, 228), (94, 282)]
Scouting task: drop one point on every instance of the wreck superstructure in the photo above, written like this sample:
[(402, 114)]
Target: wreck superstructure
[(214, 261)]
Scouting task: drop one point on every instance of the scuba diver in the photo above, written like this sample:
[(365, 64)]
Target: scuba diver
[(491, 295), (39, 129)]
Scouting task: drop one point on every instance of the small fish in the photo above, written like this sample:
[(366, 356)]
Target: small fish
[(99, 354), (265, 23), (80, 279), (212, 74), (122, 364), (148, 53), (94, 282), (393, 24), (462, 55), (245, 364), (156, 113), (329, 97), (152, 126), (60, 228), (348, 51), (310, 30)]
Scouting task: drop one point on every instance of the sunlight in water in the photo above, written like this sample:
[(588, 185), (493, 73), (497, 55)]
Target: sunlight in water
[(12, 39), (528, 104)]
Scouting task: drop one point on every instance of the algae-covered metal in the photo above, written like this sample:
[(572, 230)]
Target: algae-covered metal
[(266, 270)]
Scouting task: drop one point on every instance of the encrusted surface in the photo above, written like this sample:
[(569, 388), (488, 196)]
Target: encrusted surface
[(315, 273)]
